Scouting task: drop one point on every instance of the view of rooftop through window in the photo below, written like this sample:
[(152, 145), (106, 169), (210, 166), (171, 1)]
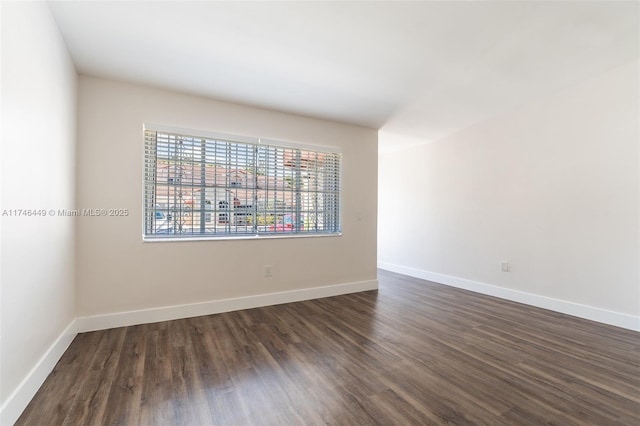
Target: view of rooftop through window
[(234, 186)]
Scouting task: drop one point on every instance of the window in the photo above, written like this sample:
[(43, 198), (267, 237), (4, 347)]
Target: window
[(207, 185)]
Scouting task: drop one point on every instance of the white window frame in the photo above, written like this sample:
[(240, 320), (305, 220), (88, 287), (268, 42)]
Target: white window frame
[(258, 222)]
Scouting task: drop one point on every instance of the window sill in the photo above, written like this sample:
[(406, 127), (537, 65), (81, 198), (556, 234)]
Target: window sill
[(234, 238)]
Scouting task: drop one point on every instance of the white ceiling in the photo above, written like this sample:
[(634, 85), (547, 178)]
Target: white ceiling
[(416, 70)]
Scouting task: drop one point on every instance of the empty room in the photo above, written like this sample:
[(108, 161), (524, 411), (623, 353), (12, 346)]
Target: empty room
[(320, 213)]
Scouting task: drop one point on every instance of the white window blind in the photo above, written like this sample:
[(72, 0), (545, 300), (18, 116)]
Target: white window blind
[(226, 186)]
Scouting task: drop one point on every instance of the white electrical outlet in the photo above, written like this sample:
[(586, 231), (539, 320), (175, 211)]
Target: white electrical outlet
[(267, 270), (504, 266)]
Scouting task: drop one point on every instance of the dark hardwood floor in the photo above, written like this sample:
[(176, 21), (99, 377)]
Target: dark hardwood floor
[(411, 353)]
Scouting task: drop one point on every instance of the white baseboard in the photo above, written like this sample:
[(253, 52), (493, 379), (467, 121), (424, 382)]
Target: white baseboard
[(575, 309), (22, 395), (166, 313)]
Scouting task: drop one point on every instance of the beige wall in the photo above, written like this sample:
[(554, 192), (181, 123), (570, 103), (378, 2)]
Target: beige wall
[(117, 272), (38, 150), (552, 187)]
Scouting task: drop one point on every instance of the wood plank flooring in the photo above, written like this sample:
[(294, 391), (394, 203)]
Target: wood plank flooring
[(411, 353)]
